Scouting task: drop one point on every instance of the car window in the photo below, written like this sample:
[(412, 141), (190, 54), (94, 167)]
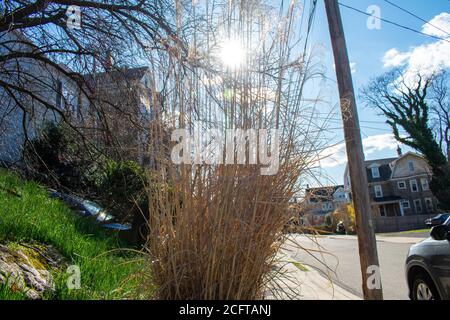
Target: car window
[(447, 222)]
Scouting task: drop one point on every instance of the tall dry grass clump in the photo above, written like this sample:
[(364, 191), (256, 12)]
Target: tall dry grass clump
[(215, 230), (218, 238)]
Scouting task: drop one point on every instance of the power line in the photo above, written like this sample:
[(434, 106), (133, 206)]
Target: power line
[(416, 16), (337, 117), (393, 23)]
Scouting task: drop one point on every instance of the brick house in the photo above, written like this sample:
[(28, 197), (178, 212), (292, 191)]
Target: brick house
[(398, 187)]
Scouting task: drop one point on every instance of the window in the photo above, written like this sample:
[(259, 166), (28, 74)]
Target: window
[(382, 211), (424, 183), (429, 204), (378, 191), (418, 205), (375, 172), (401, 185), (411, 166), (413, 184), (405, 204), (59, 94)]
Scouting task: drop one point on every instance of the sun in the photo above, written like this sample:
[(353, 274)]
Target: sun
[(232, 54)]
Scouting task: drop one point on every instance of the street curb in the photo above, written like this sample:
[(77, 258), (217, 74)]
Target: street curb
[(307, 285)]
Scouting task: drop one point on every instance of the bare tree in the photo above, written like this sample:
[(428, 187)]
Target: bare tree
[(440, 110), (415, 106), (38, 45)]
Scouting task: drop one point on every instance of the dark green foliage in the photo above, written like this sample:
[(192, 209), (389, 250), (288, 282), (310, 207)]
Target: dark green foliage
[(53, 158), (47, 150), (122, 189)]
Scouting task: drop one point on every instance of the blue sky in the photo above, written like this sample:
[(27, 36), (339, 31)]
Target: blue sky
[(367, 52)]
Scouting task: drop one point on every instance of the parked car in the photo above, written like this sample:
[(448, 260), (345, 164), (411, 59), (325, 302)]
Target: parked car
[(437, 220), (428, 266), (340, 228)]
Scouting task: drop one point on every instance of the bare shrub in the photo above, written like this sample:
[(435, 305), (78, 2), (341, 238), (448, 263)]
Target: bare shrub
[(218, 239), (215, 230)]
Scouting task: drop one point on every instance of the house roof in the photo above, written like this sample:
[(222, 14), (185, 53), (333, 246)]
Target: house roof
[(409, 153), (322, 194), (384, 168), (116, 75)]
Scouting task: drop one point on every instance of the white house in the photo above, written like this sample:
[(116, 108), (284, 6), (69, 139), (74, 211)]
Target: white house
[(47, 85)]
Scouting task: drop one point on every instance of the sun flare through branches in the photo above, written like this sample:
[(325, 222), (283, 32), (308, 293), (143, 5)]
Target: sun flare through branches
[(232, 53)]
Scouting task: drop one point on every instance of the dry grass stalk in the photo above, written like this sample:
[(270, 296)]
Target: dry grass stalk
[(215, 230)]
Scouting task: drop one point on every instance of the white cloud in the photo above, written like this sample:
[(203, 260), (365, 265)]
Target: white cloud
[(332, 156), (336, 155), (438, 25), (352, 67), (427, 58), (394, 58), (379, 142)]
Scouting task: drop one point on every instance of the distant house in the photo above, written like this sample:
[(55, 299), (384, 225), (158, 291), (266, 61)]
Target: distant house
[(323, 200), (124, 95), (127, 89), (45, 83), (319, 202), (398, 186)]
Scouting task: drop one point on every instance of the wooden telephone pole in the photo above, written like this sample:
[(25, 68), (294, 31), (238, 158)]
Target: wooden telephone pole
[(360, 193)]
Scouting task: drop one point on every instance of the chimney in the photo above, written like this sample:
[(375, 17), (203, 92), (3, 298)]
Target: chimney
[(108, 61), (399, 151)]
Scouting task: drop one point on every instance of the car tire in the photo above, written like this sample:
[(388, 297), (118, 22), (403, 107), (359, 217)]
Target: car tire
[(424, 288)]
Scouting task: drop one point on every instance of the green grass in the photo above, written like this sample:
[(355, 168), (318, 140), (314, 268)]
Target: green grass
[(405, 232), (415, 231), (7, 294), (108, 270)]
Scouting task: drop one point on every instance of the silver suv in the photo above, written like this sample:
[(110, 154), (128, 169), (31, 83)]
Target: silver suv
[(428, 266)]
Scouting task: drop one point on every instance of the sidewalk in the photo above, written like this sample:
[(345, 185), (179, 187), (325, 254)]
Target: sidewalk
[(296, 283)]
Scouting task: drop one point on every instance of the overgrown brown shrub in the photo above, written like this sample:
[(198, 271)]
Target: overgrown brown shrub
[(215, 232), (219, 237)]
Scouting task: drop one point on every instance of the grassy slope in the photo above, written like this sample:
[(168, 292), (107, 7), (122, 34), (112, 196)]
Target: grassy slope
[(106, 273)]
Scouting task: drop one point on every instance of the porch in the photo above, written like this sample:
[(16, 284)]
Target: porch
[(387, 207)]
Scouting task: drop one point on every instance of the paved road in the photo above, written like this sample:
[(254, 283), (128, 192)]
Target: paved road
[(340, 254)]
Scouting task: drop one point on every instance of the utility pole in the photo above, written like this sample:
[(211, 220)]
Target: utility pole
[(368, 255)]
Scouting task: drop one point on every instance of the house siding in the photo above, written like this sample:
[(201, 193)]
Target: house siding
[(392, 171)]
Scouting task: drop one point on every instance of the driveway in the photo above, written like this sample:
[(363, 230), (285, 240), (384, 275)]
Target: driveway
[(337, 258)]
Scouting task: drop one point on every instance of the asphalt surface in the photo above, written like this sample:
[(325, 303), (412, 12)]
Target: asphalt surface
[(337, 257)]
